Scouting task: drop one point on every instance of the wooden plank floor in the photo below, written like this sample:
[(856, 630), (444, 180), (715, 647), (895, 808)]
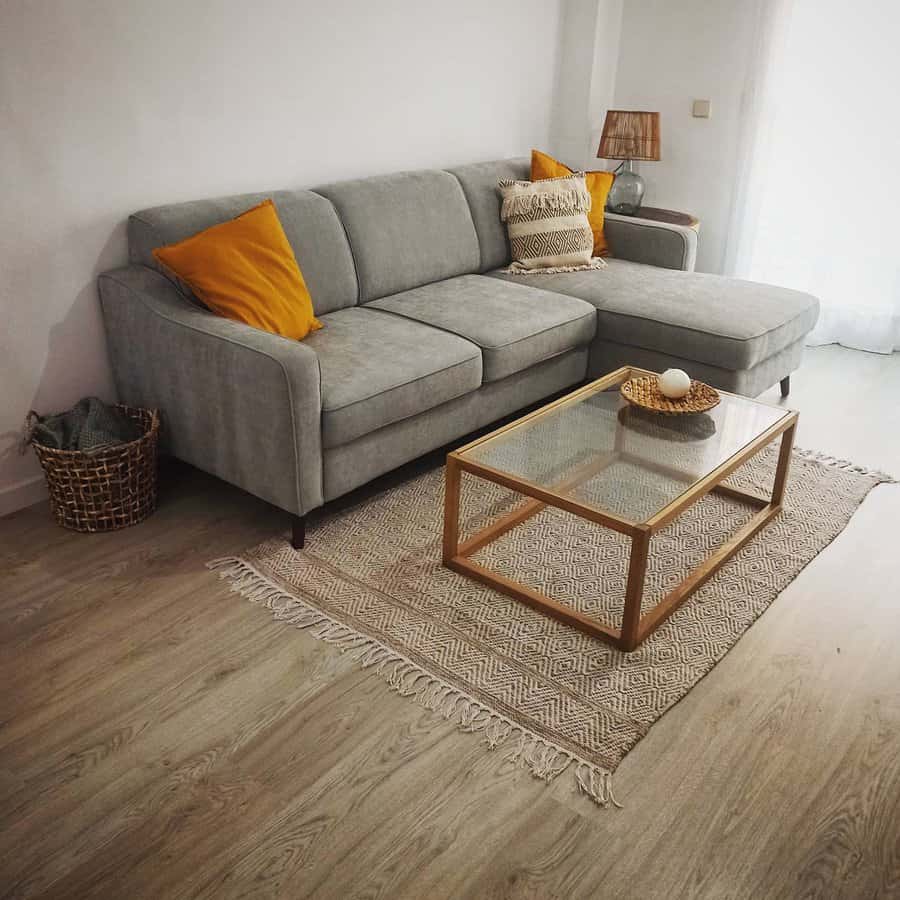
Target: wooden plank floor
[(161, 737)]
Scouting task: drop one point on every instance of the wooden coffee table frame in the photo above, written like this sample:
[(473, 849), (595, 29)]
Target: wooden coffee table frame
[(636, 626)]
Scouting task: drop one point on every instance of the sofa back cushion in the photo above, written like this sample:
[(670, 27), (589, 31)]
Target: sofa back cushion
[(406, 230), (479, 182), (310, 223)]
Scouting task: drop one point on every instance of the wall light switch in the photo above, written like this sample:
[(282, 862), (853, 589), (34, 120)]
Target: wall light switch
[(702, 109)]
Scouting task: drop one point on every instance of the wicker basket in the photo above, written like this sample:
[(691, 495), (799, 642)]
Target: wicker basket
[(107, 489)]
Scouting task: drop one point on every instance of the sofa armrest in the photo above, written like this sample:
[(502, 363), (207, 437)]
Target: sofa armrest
[(234, 401), (654, 243)]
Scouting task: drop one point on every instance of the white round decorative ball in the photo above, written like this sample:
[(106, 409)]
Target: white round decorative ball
[(674, 383)]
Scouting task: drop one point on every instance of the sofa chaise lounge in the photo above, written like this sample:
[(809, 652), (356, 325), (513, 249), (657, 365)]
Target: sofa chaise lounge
[(424, 339)]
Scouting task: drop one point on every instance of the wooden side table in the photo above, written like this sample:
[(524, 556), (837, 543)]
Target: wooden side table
[(669, 216)]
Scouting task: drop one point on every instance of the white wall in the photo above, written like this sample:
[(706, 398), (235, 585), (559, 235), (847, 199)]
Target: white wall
[(109, 106), (669, 55), (587, 70), (607, 47), (662, 55)]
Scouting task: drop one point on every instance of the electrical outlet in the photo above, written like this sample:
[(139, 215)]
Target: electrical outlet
[(702, 109)]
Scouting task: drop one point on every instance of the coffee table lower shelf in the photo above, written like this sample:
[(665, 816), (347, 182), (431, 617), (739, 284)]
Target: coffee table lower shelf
[(636, 625)]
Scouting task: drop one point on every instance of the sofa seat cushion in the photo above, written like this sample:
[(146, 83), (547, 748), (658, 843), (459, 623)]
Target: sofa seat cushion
[(515, 325), (720, 321), (377, 368)]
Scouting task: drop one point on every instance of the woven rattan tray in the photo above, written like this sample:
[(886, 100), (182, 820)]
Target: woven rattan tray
[(644, 392)]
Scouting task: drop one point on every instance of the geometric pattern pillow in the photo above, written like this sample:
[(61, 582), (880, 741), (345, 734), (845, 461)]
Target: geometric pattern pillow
[(548, 225), (598, 185)]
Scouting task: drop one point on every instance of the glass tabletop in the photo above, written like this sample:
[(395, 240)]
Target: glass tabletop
[(602, 452)]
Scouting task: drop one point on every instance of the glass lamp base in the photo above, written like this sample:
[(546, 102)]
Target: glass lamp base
[(626, 193)]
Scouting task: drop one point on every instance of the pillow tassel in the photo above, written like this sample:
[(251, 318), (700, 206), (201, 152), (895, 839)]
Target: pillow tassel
[(574, 200)]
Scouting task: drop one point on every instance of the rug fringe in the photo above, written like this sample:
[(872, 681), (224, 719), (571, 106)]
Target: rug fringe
[(835, 463), (597, 784), (544, 759)]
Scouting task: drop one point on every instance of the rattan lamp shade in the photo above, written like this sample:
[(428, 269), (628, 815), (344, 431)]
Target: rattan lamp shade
[(630, 134)]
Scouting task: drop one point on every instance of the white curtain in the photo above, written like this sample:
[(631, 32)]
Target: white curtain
[(817, 206)]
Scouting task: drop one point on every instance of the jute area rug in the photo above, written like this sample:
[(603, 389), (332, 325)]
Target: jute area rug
[(371, 582)]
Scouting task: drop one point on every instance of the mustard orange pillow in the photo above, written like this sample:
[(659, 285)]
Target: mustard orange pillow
[(245, 270), (598, 185)]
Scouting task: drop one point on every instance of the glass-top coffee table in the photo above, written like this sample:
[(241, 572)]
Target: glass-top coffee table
[(594, 455)]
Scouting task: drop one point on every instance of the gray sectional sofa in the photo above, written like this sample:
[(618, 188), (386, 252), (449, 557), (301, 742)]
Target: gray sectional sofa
[(424, 340)]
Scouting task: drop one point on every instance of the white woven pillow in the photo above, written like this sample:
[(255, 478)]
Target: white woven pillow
[(548, 225)]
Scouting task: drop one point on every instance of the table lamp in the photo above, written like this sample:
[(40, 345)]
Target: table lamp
[(628, 135)]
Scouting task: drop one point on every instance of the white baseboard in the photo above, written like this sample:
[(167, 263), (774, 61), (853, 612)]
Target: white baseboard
[(22, 493)]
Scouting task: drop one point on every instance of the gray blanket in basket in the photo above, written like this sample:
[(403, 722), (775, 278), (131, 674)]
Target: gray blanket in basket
[(89, 425)]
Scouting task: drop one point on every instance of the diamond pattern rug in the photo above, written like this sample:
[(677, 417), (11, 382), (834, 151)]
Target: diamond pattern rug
[(371, 581)]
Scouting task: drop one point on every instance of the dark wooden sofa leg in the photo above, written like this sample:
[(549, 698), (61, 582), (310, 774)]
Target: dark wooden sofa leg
[(785, 386), (298, 532)]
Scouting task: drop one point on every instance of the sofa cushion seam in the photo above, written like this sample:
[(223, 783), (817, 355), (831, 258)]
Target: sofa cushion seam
[(337, 215), (402, 384), (737, 340), (481, 263), (587, 315), (409, 415), (538, 362), (679, 356), (473, 340)]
